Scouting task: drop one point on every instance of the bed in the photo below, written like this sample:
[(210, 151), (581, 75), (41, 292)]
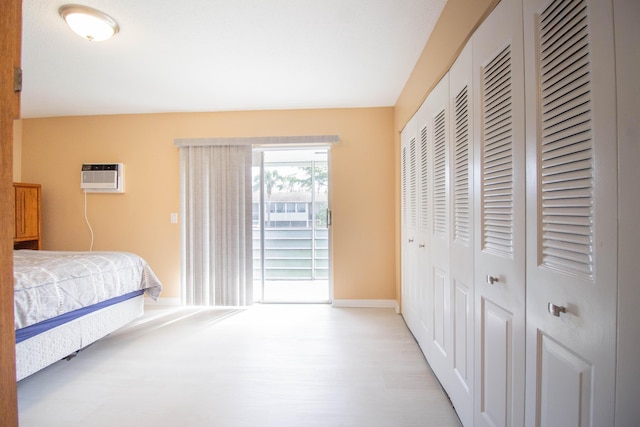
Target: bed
[(65, 301)]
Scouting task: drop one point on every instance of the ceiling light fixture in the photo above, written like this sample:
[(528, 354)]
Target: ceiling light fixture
[(89, 23)]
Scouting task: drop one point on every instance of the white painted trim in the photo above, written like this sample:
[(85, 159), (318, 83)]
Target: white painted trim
[(366, 303), (162, 301)]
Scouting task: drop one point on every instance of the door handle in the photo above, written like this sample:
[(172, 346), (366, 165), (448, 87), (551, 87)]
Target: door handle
[(492, 279), (555, 310)]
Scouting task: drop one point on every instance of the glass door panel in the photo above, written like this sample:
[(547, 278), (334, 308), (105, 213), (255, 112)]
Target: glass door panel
[(293, 248)]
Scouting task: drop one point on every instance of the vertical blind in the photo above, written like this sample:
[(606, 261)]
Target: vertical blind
[(216, 255)]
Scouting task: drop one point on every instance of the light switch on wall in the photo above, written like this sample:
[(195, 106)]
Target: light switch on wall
[(174, 217)]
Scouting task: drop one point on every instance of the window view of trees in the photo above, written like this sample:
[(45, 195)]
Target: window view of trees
[(295, 216), (290, 200)]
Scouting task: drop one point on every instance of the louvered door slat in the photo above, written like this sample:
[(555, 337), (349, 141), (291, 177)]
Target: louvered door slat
[(565, 173), (559, 19), (554, 50), (561, 85), (562, 185), (581, 132), (461, 168), (559, 88), (495, 75), (568, 139), (564, 264), (569, 56), (572, 212), (558, 223), (499, 143), (574, 251), (566, 162), (571, 149), (424, 180), (556, 78), (567, 118), (585, 193), (566, 202), (497, 156), (562, 255), (498, 174), (573, 236), (499, 230), (405, 211), (499, 118), (439, 179), (575, 93), (498, 102), (413, 185)]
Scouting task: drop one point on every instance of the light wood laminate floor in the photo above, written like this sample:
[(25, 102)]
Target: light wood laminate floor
[(270, 365)]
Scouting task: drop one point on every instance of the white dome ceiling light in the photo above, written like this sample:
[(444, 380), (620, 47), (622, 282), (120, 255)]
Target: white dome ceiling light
[(89, 23)]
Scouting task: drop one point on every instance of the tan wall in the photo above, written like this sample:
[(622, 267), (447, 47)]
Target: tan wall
[(366, 177), (362, 172), (456, 24)]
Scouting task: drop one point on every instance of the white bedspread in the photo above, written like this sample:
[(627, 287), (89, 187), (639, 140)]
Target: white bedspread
[(50, 283)]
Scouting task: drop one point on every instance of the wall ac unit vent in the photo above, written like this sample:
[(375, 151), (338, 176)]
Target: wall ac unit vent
[(102, 178)]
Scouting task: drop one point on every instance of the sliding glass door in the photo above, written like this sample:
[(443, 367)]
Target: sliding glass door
[(290, 225)]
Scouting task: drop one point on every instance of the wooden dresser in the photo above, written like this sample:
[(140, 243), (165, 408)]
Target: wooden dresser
[(28, 217)]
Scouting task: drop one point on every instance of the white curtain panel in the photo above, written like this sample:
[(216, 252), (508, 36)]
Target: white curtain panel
[(216, 234)]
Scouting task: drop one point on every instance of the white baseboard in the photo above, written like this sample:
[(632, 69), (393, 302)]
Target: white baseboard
[(367, 303), (162, 301)]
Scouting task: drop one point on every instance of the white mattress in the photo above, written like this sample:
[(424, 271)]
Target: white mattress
[(50, 283)]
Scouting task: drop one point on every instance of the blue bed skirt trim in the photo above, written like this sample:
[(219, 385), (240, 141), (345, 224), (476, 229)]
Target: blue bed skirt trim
[(38, 328)]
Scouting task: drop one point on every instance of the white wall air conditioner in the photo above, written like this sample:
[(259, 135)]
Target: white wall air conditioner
[(102, 178)]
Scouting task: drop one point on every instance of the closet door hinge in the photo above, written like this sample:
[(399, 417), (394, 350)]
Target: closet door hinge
[(17, 79), (329, 217)]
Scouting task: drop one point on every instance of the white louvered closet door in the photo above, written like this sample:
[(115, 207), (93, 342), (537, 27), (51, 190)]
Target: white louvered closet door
[(461, 234), (571, 213), (499, 198), (425, 208), (409, 183), (437, 119)]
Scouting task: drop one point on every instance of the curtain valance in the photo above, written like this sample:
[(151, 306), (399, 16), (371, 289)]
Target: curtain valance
[(258, 140)]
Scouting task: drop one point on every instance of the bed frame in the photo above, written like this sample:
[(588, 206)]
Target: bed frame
[(40, 351)]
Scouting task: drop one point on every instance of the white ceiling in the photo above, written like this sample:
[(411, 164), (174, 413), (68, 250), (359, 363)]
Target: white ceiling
[(222, 55)]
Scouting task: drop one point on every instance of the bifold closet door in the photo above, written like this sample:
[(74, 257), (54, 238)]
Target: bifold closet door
[(436, 120), (461, 234), (409, 247), (425, 221), (416, 263), (571, 213), (499, 199)]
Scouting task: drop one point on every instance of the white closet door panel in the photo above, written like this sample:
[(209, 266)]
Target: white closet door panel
[(496, 396), (572, 212), (499, 245), (439, 318), (461, 233), (462, 336), (425, 282), (409, 205), (437, 115), (565, 385)]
